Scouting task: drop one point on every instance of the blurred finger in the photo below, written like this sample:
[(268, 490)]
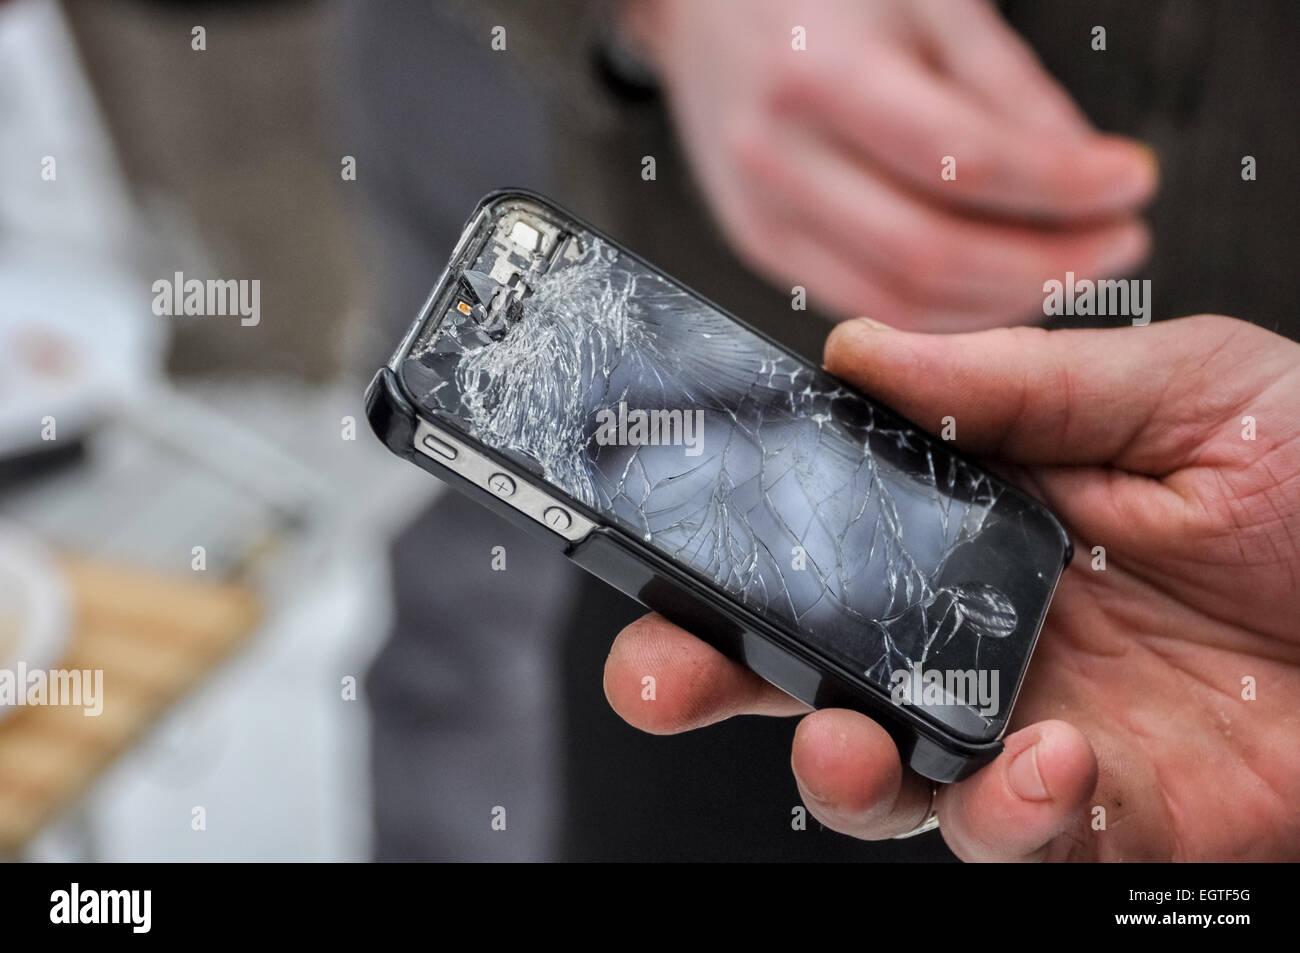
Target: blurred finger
[(816, 262), (922, 254), (788, 252), (984, 56), (911, 122)]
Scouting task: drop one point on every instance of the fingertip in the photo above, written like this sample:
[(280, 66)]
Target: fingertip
[(846, 763), (851, 332), (1123, 249), (663, 680), (1056, 765), (854, 346), (642, 657), (1014, 808), (1126, 172), (1152, 158)]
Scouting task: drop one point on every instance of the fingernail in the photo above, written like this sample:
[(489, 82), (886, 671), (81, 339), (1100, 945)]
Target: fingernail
[(1140, 178), (1024, 777), (1151, 153), (873, 324)]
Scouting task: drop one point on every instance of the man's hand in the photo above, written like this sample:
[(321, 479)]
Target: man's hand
[(824, 165), (1165, 688)]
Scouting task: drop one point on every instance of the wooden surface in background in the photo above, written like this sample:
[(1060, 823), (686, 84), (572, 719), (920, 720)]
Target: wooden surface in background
[(155, 637)]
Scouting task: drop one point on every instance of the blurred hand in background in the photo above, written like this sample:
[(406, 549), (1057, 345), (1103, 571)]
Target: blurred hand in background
[(825, 165)]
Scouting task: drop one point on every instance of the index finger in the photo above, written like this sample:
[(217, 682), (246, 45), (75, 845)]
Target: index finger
[(1130, 397)]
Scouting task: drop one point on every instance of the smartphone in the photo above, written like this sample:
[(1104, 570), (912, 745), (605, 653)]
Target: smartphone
[(741, 491)]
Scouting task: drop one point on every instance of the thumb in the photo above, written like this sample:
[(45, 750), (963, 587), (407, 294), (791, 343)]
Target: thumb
[(1014, 808), (1134, 398)]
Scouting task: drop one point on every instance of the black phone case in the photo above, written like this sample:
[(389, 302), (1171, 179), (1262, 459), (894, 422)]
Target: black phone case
[(777, 655)]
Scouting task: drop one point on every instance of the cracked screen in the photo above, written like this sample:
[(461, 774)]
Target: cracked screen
[(762, 474)]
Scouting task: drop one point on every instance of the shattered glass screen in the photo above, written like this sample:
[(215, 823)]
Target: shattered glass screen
[(761, 473)]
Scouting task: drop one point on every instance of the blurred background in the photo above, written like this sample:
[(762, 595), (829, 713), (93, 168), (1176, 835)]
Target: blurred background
[(224, 675), (305, 653)]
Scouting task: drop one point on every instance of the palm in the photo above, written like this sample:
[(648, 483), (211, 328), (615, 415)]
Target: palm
[(1138, 657)]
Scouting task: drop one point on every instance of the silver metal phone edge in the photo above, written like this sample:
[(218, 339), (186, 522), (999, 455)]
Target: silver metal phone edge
[(524, 497)]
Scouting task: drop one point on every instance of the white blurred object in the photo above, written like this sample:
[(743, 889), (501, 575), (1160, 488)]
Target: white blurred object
[(35, 614), (49, 111), (257, 473), (268, 746), (70, 350), (77, 334)]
